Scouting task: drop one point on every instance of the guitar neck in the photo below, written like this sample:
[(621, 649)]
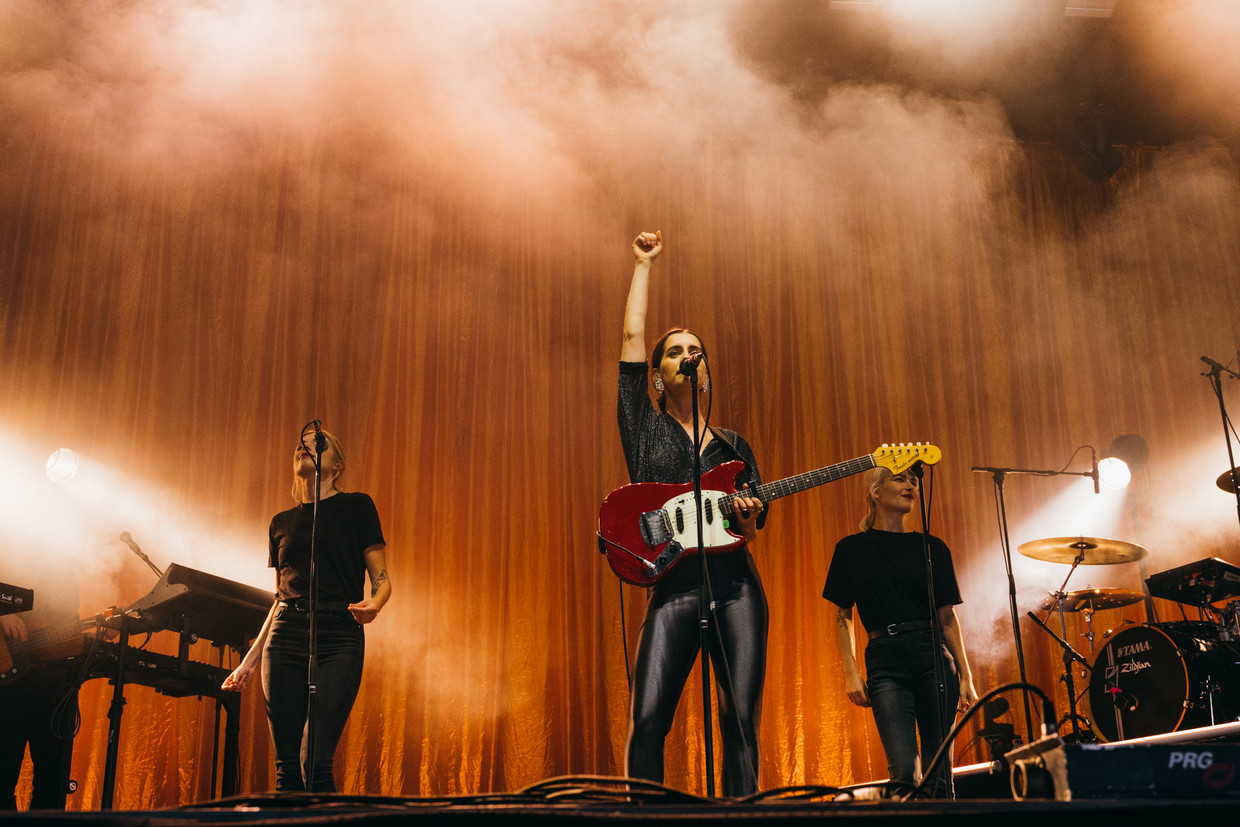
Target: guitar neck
[(810, 479), (47, 638)]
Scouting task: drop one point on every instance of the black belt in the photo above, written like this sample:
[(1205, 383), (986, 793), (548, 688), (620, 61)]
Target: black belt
[(302, 604), (893, 629)]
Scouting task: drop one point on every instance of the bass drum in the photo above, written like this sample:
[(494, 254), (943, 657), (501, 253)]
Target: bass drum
[(1148, 680)]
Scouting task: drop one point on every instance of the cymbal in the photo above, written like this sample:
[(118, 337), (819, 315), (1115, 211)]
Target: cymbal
[(1224, 481), (1093, 600), (1097, 552)]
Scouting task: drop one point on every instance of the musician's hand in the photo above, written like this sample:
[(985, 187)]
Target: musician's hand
[(747, 511), (647, 246), (240, 678), (14, 626), (855, 686), (365, 611), (968, 694)]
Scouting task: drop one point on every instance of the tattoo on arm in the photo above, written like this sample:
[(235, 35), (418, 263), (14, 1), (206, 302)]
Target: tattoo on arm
[(379, 581)]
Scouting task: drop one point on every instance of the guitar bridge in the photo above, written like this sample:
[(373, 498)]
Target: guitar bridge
[(656, 527)]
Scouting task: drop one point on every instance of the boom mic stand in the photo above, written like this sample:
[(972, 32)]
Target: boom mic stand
[(1216, 384), (1005, 541)]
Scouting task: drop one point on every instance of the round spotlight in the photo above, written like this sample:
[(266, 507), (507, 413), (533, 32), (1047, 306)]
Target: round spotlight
[(61, 465), (1114, 472)]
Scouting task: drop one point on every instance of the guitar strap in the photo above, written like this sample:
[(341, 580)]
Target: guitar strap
[(732, 438)]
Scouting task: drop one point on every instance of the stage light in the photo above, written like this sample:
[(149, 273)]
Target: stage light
[(1128, 453), (62, 465), (1114, 473)]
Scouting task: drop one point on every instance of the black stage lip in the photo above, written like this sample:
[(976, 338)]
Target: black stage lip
[(300, 810)]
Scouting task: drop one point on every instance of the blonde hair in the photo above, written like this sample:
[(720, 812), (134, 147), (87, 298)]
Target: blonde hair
[(874, 480), (301, 492)]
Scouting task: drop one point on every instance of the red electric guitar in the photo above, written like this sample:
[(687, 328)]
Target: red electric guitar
[(646, 528)]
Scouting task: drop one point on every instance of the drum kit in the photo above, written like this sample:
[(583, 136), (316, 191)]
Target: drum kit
[(1155, 677)]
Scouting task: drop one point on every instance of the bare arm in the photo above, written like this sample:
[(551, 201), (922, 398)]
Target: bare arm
[(240, 677), (646, 247), (380, 585), (844, 636), (955, 644)]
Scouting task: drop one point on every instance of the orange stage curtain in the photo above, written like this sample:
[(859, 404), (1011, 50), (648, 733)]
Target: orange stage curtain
[(180, 322)]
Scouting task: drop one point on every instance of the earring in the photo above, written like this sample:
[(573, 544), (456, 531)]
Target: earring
[(658, 384), (705, 386)]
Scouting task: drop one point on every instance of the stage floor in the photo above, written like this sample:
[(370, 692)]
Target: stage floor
[(364, 811)]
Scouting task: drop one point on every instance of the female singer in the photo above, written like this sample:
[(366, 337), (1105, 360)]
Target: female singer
[(658, 447), (350, 546), (882, 571)]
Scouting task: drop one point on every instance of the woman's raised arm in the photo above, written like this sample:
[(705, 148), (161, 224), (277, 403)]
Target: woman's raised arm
[(646, 247)]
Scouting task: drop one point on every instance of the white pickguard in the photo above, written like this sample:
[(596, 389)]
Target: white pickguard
[(682, 518)]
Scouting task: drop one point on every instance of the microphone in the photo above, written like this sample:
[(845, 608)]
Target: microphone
[(127, 539), (1094, 474), (320, 441), (1220, 368), (689, 364)]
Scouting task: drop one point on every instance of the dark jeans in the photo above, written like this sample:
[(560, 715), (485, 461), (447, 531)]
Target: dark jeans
[(666, 652), (40, 709), (900, 680), (341, 645)]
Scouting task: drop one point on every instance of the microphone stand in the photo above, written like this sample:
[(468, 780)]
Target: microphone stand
[(1005, 543), (312, 672), (708, 737), (1216, 384), (936, 629)]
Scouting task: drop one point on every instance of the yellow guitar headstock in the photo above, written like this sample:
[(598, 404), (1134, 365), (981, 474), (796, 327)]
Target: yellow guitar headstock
[(899, 458)]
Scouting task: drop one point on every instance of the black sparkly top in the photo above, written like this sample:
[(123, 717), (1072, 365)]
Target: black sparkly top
[(657, 449)]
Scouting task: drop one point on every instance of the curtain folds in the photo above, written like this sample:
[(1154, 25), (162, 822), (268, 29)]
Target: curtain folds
[(178, 323)]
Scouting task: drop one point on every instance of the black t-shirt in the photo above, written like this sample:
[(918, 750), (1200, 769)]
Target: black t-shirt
[(658, 449), (348, 525), (883, 573)]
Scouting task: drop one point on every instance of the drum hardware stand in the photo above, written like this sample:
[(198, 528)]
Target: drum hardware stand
[(1069, 655), (1209, 688)]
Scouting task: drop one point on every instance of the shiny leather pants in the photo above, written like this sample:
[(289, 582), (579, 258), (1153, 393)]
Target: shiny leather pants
[(666, 652)]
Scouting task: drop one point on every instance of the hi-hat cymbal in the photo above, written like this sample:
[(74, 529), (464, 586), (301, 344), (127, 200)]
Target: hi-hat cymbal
[(1093, 600), (1226, 482), (1093, 550)]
